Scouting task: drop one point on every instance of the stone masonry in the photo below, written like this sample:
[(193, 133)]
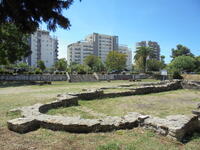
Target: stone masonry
[(34, 117)]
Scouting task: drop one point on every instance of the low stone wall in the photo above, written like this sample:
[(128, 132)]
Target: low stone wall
[(82, 78), (137, 84), (147, 89), (70, 77), (37, 77), (33, 117), (104, 77)]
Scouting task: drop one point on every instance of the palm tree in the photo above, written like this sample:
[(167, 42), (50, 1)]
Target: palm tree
[(142, 53)]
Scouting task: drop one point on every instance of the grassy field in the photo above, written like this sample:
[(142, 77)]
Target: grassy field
[(162, 104), (159, 104)]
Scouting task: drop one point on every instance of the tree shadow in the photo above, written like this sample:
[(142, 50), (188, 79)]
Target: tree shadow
[(5, 84)]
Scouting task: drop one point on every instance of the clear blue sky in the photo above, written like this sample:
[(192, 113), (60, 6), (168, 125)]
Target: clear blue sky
[(169, 22)]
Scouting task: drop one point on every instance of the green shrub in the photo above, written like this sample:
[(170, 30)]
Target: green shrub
[(30, 72), (38, 71), (2, 71)]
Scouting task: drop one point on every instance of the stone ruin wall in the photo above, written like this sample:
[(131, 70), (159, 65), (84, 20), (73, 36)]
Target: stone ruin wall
[(34, 117)]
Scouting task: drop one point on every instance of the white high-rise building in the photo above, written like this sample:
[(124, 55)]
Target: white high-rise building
[(103, 44), (127, 51), (44, 47), (78, 51), (94, 44), (99, 45)]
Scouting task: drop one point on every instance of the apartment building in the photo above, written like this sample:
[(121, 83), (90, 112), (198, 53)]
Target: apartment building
[(78, 51), (103, 44), (155, 47), (96, 44), (44, 47), (125, 50)]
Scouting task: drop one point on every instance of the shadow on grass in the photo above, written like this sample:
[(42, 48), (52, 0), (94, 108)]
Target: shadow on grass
[(4, 84)]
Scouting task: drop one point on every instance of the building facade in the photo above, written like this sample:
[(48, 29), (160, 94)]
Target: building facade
[(44, 47), (78, 51), (103, 44), (125, 50), (155, 47), (96, 44)]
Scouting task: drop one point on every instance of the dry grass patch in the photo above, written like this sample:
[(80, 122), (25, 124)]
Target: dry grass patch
[(138, 139)]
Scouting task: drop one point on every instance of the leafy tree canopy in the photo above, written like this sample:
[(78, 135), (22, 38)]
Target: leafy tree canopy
[(197, 69), (41, 65), (22, 65), (28, 14), (61, 64), (183, 63), (13, 44), (79, 68), (154, 65), (115, 61), (180, 51), (91, 60), (94, 63)]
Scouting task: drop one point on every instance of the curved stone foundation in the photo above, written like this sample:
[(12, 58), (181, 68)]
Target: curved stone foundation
[(190, 84), (33, 117)]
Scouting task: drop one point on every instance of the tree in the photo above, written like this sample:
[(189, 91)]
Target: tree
[(83, 69), (197, 64), (61, 64), (23, 66), (79, 68), (91, 61), (154, 65), (142, 53), (181, 51), (182, 63), (72, 67), (13, 44), (115, 61), (28, 14), (41, 65), (94, 63)]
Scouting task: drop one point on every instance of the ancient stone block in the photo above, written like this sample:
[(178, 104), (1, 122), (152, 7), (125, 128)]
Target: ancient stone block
[(176, 126), (23, 125)]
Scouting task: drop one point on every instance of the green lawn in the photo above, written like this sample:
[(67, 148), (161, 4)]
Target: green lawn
[(13, 96), (158, 104)]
